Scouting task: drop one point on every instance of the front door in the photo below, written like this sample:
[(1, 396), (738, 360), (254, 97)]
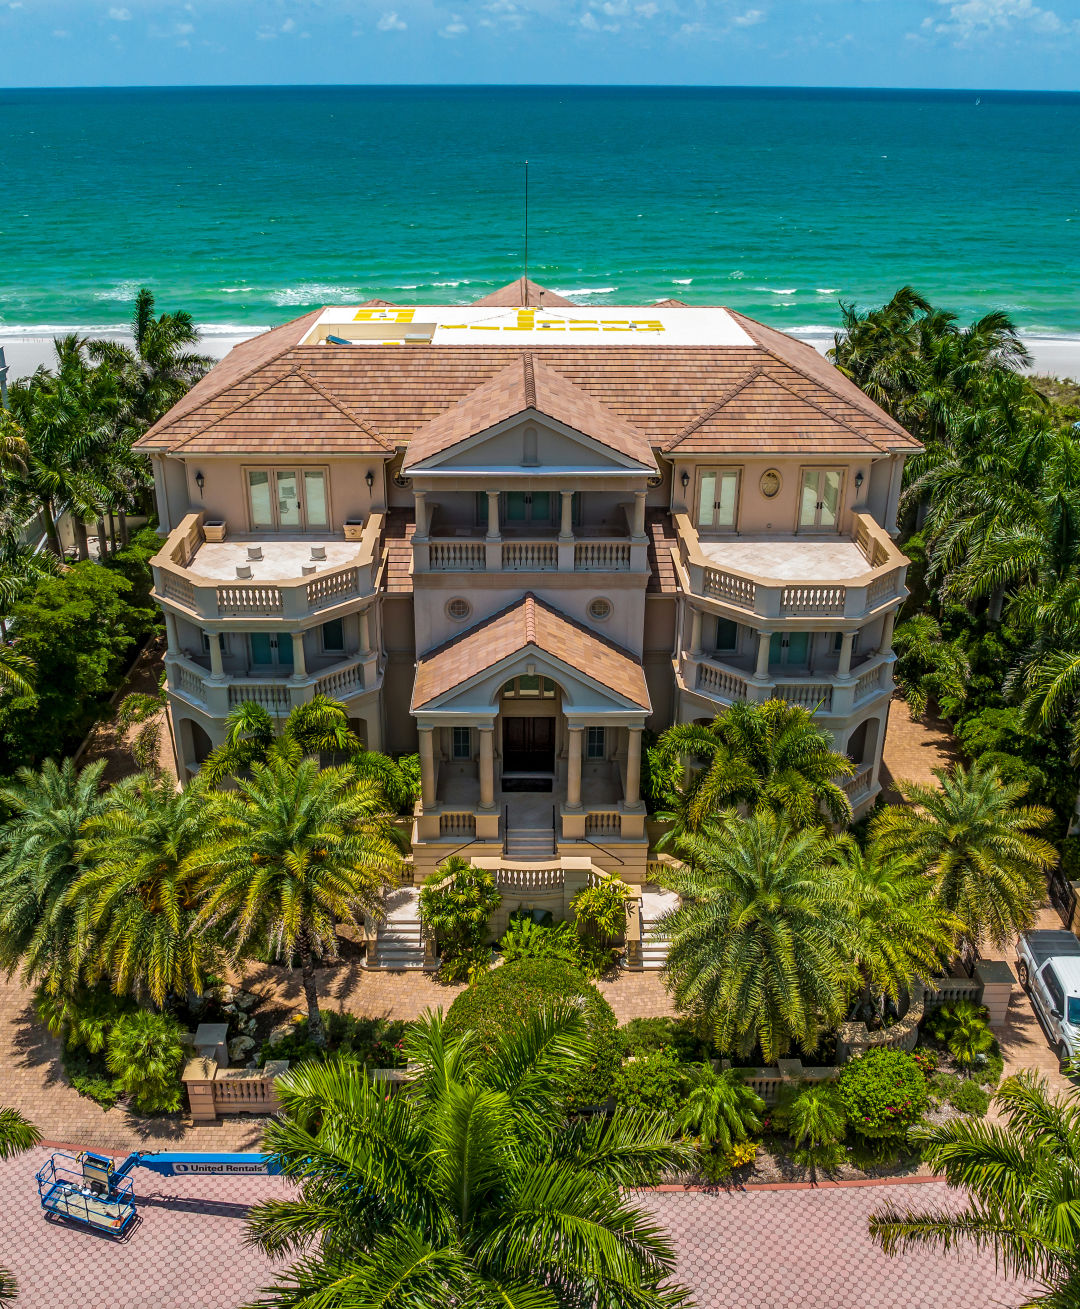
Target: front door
[(271, 649), (528, 745)]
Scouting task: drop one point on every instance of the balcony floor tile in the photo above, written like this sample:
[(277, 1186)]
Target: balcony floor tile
[(281, 559), (806, 559)]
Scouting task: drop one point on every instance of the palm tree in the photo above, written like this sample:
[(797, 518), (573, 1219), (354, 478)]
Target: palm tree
[(471, 1187), (771, 756), (138, 899), (760, 945), (721, 1108), (40, 861), (976, 844), (300, 849), (16, 1137), (321, 725), (1022, 1184)]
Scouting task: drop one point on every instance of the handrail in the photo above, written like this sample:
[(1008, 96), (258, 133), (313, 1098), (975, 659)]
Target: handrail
[(610, 853), (554, 830)]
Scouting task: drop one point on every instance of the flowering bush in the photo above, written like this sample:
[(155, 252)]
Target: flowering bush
[(883, 1093)]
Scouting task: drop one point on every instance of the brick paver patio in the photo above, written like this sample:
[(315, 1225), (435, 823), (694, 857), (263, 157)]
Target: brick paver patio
[(748, 1250)]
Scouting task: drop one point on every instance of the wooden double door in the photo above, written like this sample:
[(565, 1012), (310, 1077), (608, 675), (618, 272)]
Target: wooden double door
[(528, 745)]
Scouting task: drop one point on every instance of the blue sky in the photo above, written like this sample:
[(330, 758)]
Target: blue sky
[(921, 43)]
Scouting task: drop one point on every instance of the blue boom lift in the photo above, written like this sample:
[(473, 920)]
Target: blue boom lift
[(91, 1189)]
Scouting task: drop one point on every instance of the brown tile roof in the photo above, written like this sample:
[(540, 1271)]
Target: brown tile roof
[(528, 383), (529, 622), (521, 292), (662, 540), (397, 551), (378, 304), (669, 304), (666, 393)]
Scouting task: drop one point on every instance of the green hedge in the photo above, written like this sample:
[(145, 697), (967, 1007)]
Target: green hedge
[(501, 999), (883, 1093)]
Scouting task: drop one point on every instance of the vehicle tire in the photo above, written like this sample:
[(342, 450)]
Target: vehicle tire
[(1022, 974), (1063, 1054)]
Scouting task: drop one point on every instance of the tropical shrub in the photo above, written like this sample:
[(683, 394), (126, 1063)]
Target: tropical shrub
[(641, 1034), (813, 1116), (409, 766), (89, 1077), (145, 1056), (374, 1042), (83, 1020), (525, 938), (600, 910), (456, 902), (882, 1093), (654, 1082), (501, 1000), (720, 1109), (965, 1096), (964, 1030), (720, 1164)]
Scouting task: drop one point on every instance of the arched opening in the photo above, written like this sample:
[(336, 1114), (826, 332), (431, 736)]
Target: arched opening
[(528, 725), (195, 742), (856, 745)]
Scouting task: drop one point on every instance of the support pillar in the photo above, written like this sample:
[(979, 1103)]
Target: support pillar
[(573, 768), (695, 631), (493, 516), (217, 671), (639, 514), (761, 672), (421, 514), (633, 767), (887, 625), (846, 644), (566, 515), (487, 768), (172, 639), (298, 660), (427, 767), (365, 632)]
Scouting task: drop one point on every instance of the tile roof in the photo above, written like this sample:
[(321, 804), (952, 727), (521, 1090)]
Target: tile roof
[(521, 292), (529, 622), (662, 540), (528, 383), (397, 551), (669, 394), (669, 304)]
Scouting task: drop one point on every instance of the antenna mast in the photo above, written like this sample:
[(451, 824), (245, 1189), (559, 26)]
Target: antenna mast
[(526, 227)]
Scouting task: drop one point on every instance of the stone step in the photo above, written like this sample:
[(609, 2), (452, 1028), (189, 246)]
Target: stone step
[(530, 843)]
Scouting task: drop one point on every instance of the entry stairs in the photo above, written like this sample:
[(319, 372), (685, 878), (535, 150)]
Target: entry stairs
[(399, 945)]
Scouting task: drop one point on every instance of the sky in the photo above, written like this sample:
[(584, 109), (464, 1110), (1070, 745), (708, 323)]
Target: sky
[(1008, 44)]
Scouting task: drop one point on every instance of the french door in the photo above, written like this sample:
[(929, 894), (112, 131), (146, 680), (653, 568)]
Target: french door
[(527, 507), (718, 498), (284, 499), (790, 649), (271, 649), (819, 501)]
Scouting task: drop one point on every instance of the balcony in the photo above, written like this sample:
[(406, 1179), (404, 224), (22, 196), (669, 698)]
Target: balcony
[(191, 681), (823, 690), (288, 578), (796, 576)]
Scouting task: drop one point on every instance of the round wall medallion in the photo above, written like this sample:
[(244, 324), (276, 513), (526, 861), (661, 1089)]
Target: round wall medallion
[(770, 483), (458, 609), (599, 609)]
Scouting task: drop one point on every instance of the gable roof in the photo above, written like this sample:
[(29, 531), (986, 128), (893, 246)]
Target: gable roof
[(521, 292), (529, 622), (528, 383)]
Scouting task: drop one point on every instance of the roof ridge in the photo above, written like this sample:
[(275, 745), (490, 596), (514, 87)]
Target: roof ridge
[(530, 379), (341, 406), (530, 618), (715, 408)]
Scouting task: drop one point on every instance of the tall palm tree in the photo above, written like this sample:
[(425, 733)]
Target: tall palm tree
[(300, 849), (976, 843), (760, 945), (771, 756), (319, 726), (16, 1137), (40, 861), (1022, 1186), (470, 1187), (139, 897)]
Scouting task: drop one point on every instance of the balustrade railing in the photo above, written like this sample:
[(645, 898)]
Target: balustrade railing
[(457, 824), (602, 556), (530, 556), (456, 556), (725, 683), (529, 879), (807, 694), (603, 823), (271, 695), (869, 683), (856, 786), (812, 601), (342, 681), (721, 585)]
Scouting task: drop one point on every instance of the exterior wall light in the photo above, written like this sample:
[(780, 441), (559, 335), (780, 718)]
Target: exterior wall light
[(685, 479), (200, 481), (858, 480), (369, 477)]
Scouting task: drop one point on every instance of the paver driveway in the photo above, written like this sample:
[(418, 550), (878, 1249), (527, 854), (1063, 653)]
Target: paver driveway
[(751, 1250)]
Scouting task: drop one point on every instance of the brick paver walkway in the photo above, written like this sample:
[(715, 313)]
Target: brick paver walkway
[(751, 1250), (914, 747)]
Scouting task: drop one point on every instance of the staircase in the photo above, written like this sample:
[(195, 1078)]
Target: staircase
[(529, 843), (654, 902), (399, 945)]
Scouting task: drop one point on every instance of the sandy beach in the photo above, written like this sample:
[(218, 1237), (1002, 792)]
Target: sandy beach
[(1058, 356)]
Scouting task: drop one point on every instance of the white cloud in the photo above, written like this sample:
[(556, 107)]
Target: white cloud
[(120, 15), (649, 10), (390, 22), (289, 25), (455, 27), (750, 19), (969, 20), (61, 32)]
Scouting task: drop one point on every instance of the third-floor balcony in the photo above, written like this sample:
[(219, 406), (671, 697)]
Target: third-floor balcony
[(209, 575), (785, 576)]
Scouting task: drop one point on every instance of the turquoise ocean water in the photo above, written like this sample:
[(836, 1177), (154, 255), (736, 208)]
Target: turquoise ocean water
[(247, 206)]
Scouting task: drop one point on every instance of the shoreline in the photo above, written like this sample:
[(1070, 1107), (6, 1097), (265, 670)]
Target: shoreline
[(27, 348)]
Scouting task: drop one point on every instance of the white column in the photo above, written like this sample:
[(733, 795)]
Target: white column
[(566, 518), (639, 513), (761, 672), (573, 768), (421, 514), (633, 766), (172, 640), (844, 668), (217, 672), (427, 768), (493, 516), (887, 625), (365, 631), (487, 768), (695, 631), (299, 663)]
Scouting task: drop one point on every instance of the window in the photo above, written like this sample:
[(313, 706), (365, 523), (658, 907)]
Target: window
[(206, 642), (717, 498), (1054, 990), (727, 636), (1074, 1010), (789, 648), (462, 742), (283, 499), (838, 643), (594, 743), (333, 636), (819, 499), (528, 687), (458, 608), (599, 609), (527, 507)]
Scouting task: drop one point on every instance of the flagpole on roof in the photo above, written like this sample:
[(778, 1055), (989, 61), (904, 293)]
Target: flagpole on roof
[(526, 231)]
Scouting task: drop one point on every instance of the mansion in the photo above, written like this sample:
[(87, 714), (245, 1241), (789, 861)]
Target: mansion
[(517, 534)]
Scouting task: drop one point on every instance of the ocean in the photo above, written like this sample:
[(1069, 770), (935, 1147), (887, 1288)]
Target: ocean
[(246, 206)]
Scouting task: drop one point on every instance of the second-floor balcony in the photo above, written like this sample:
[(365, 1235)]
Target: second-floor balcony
[(785, 576), (193, 680), (823, 689), (204, 571)]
